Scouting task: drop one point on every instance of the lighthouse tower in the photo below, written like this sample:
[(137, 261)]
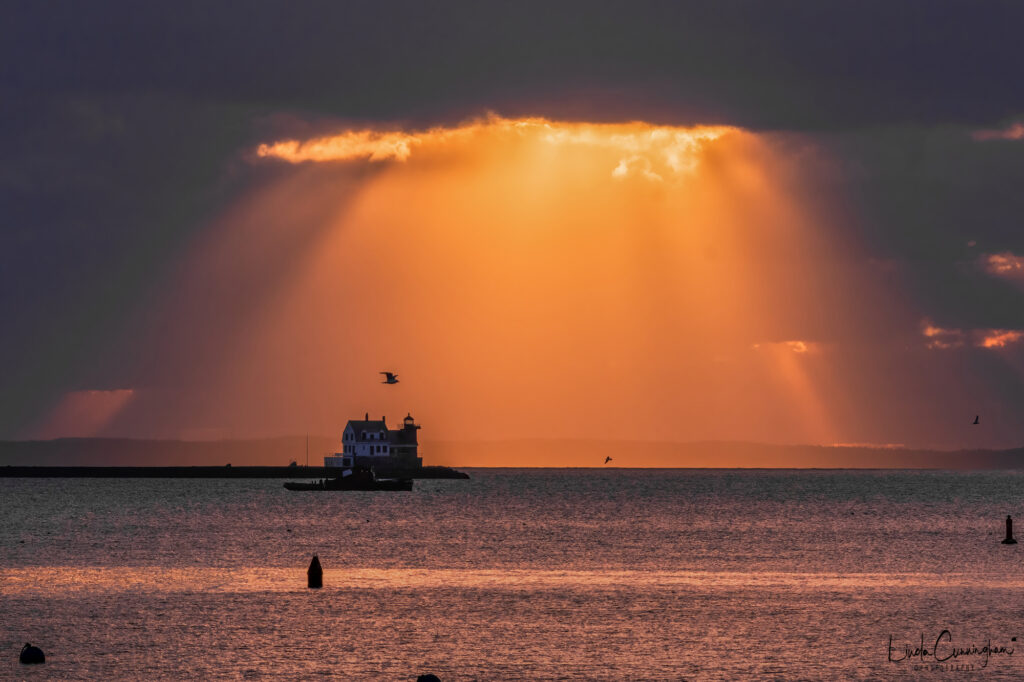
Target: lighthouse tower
[(404, 444)]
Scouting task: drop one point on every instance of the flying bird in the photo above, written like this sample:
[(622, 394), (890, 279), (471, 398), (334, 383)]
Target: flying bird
[(976, 418), (607, 459), (390, 378)]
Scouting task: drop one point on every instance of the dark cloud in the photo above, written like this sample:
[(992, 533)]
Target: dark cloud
[(755, 63), (97, 195), (934, 201)]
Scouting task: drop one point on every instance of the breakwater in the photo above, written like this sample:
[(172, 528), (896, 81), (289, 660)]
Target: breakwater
[(209, 472)]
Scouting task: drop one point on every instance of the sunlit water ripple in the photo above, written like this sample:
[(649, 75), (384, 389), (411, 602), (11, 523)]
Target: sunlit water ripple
[(514, 574)]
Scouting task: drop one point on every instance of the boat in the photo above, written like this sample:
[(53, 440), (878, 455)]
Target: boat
[(353, 479)]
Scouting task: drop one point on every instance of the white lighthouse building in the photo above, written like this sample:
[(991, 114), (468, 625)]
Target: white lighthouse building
[(370, 443)]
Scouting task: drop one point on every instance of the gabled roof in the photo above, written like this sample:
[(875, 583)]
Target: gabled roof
[(373, 425)]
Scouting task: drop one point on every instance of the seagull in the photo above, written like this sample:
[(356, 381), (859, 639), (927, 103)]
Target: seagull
[(391, 378), (976, 418), (607, 459)]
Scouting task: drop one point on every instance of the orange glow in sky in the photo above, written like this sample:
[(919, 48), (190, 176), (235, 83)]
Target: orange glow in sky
[(654, 152), (1000, 338), (525, 279), (1005, 265), (83, 414)]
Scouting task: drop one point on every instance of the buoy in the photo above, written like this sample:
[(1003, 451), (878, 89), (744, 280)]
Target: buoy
[(32, 654), (1009, 532), (429, 677), (315, 573)]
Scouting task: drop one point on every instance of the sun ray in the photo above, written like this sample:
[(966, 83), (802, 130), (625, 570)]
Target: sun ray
[(526, 277)]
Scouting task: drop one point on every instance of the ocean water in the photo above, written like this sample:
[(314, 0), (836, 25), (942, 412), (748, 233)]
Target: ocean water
[(518, 574)]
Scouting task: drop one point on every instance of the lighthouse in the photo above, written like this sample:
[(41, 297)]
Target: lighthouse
[(370, 443)]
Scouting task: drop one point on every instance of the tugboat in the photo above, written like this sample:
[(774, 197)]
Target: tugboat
[(358, 478)]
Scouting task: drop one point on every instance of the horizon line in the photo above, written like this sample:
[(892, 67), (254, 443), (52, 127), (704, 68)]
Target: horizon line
[(891, 447)]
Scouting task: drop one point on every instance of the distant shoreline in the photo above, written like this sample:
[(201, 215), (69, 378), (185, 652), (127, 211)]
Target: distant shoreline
[(501, 454), (10, 471)]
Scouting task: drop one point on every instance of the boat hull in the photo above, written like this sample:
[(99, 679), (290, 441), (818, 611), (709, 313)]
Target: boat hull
[(344, 484)]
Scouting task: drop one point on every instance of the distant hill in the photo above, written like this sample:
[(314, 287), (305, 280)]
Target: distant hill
[(591, 453), (132, 452), (509, 453)]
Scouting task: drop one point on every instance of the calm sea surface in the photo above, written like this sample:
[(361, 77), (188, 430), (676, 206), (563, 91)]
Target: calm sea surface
[(516, 574)]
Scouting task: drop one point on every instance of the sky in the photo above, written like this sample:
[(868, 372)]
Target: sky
[(782, 222)]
